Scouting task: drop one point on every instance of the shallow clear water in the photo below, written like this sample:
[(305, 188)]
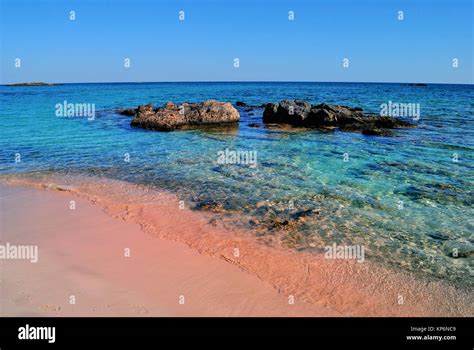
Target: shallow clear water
[(358, 200)]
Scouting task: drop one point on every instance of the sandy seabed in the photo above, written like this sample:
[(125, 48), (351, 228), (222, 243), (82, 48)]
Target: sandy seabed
[(128, 250)]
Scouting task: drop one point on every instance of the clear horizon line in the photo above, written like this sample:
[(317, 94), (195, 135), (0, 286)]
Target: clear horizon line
[(241, 81)]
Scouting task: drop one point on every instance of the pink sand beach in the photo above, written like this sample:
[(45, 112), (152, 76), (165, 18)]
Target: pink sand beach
[(124, 250)]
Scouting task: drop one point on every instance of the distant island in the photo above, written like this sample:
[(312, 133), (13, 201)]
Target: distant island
[(416, 84), (40, 83)]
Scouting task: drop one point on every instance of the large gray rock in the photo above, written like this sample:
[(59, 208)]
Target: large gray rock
[(302, 113), (172, 117)]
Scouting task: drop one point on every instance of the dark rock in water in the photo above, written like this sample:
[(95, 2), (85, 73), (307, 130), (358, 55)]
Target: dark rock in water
[(279, 223), (243, 104), (210, 205), (305, 213), (392, 164), (302, 113), (287, 112), (387, 122), (253, 125), (376, 132), (172, 117), (254, 222), (458, 250), (417, 84), (466, 254), (127, 112), (438, 193), (438, 236)]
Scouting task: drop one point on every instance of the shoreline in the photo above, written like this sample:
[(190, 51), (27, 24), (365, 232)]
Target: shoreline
[(85, 259), (331, 287)]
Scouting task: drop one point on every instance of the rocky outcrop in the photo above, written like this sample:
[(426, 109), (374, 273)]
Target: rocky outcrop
[(302, 113), (172, 117), (127, 112)]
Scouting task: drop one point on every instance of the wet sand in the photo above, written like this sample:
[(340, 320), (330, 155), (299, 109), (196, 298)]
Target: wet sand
[(82, 254), (176, 253)]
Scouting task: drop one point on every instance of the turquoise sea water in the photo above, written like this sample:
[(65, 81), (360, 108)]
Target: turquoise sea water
[(359, 201)]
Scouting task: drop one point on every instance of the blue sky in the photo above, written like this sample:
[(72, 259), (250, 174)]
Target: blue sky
[(269, 46)]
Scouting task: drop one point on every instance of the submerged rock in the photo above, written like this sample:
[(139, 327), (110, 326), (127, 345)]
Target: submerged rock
[(376, 132), (210, 205), (459, 250), (127, 112), (302, 113), (438, 193), (172, 117), (243, 104)]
